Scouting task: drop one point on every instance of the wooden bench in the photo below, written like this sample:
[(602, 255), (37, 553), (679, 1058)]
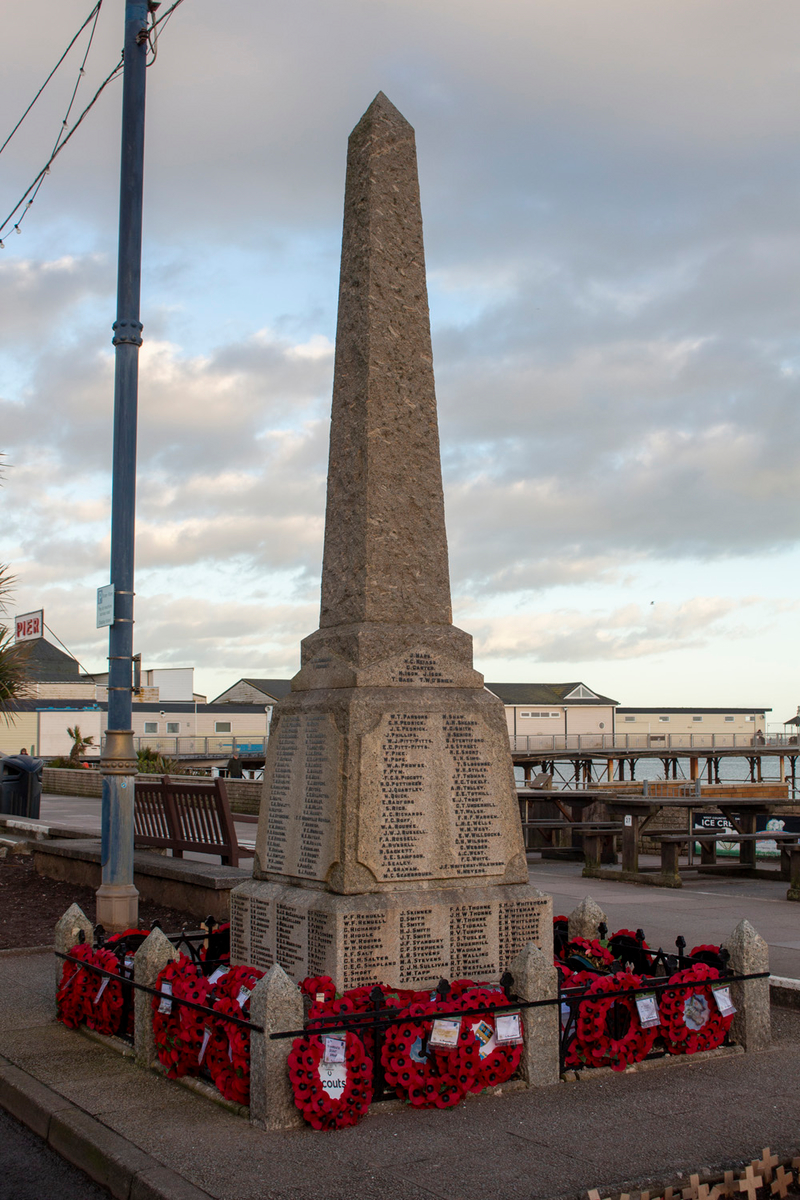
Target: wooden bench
[(185, 814), (671, 844)]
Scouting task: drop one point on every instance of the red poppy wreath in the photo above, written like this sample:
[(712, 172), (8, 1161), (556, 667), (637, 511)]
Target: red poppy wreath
[(77, 987), (690, 1019), (227, 1053), (104, 1011), (596, 1044), (429, 1076), (330, 1096), (496, 1063), (178, 1029)]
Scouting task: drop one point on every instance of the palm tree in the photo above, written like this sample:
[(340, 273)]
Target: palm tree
[(79, 743), (13, 675)]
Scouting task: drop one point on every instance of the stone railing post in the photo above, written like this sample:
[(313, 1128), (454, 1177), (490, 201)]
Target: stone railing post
[(535, 978), (148, 961), (749, 953), (585, 920), (67, 933), (277, 1005)]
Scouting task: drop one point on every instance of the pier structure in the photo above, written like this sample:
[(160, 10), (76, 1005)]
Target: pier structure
[(584, 760)]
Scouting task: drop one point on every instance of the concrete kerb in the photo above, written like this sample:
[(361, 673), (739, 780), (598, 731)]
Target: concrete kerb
[(105, 1156)]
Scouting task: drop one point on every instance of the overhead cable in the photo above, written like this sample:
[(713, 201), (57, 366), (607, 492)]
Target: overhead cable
[(94, 13)]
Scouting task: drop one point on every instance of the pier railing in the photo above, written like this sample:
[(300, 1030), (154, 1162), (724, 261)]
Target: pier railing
[(528, 743), (220, 746)]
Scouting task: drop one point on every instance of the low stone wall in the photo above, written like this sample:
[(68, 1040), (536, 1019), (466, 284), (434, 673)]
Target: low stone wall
[(189, 886), (243, 794), (68, 781)]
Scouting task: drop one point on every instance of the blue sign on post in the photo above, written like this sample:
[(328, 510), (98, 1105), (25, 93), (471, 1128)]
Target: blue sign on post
[(105, 606)]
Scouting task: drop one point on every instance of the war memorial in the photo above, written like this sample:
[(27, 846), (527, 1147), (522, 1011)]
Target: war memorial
[(389, 845), (390, 891)]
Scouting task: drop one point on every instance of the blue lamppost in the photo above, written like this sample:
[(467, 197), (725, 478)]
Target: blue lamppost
[(117, 897)]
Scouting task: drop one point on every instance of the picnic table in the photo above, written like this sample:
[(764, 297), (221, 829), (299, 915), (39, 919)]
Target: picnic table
[(591, 838), (637, 813)]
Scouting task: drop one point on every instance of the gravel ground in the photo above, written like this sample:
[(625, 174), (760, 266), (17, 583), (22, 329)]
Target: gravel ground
[(30, 905)]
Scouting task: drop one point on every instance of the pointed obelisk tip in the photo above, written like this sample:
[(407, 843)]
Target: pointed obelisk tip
[(382, 109)]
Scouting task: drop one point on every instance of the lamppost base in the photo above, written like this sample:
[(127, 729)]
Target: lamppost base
[(117, 906)]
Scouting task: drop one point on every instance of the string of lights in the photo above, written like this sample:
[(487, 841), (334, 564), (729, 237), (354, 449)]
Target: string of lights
[(94, 13), (65, 122), (26, 199), (60, 146)]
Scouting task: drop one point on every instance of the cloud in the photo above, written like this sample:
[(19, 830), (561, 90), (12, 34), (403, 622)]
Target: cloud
[(628, 632)]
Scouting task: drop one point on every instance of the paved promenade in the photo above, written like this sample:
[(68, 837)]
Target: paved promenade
[(150, 1138)]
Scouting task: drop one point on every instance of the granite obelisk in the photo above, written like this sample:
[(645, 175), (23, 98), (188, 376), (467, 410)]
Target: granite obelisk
[(389, 845)]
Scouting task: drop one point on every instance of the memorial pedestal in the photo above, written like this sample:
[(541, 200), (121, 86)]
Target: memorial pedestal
[(406, 940)]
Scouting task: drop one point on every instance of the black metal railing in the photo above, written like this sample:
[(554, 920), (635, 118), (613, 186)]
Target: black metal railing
[(378, 1017)]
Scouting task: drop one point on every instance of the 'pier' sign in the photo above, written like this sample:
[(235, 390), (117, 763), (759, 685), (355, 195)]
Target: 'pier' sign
[(29, 626)]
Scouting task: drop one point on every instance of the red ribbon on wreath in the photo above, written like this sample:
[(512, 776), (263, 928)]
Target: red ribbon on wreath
[(178, 1032), (690, 1019), (321, 1109), (595, 1044), (424, 1075), (77, 987), (500, 1063)]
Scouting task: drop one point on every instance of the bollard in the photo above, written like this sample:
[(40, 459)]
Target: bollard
[(277, 1004), (585, 920), (148, 961), (535, 978), (749, 953), (67, 933)]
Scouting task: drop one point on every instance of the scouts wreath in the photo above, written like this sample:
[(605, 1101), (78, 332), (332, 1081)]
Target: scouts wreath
[(595, 1044), (690, 1018), (320, 1108)]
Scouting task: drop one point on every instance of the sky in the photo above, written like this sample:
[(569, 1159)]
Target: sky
[(612, 228)]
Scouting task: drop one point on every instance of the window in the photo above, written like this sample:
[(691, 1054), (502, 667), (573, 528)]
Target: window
[(664, 719), (539, 714), (697, 718), (151, 726), (222, 727), (749, 718), (729, 718), (173, 726), (630, 718), (581, 692)]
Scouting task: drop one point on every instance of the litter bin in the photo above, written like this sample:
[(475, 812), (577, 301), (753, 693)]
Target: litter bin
[(21, 786)]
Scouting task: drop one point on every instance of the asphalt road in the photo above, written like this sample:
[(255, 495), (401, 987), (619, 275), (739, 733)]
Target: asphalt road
[(30, 1170)]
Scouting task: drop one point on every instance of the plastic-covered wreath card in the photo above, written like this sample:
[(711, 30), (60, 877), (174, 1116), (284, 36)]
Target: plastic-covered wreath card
[(722, 999), (445, 1033), (647, 1008), (508, 1029), (335, 1050)]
